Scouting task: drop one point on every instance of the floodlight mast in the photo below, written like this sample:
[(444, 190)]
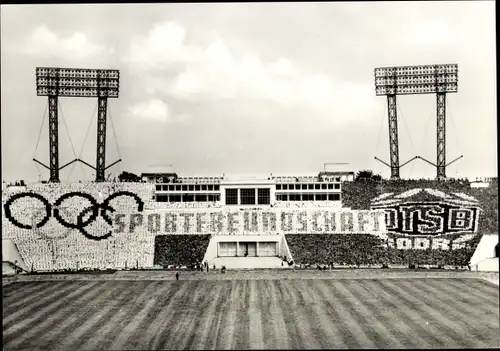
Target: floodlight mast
[(75, 82), (439, 79)]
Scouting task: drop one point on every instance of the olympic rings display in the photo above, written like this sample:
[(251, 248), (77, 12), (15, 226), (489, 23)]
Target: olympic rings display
[(80, 222)]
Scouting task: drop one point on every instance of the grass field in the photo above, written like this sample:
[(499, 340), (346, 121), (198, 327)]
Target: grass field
[(242, 314)]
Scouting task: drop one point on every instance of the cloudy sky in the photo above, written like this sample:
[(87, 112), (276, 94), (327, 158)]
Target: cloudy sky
[(249, 88)]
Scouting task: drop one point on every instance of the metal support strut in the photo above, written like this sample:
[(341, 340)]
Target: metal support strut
[(53, 139), (393, 136), (441, 135), (101, 139)]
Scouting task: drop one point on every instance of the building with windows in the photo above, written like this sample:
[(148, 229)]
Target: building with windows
[(250, 199), (248, 190)]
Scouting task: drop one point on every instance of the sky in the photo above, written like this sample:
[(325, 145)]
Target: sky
[(249, 88)]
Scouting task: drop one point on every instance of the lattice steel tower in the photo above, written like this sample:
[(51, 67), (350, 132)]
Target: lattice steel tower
[(428, 79), (76, 82)]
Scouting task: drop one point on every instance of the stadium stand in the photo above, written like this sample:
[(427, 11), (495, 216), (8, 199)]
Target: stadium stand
[(54, 247), (180, 250)]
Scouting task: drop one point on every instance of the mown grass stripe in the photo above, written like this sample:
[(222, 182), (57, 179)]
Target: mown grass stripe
[(136, 319), (307, 332), (19, 291), (382, 336), (193, 306), (241, 341), (469, 305), (448, 319), (81, 323), (412, 316), (143, 335), (20, 297), (46, 304), (203, 319), (429, 313), (108, 332), (313, 319), (255, 328), (331, 335), (266, 314), (473, 288), (286, 295), (471, 321), (278, 319), (164, 319), (53, 327), (209, 328), (370, 296), (289, 303), (222, 310), (99, 316), (484, 284), (354, 319), (178, 319), (228, 322), (267, 306), (348, 339), (37, 299), (97, 331), (22, 327)]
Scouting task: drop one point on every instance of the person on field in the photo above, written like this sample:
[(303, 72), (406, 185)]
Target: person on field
[(177, 275)]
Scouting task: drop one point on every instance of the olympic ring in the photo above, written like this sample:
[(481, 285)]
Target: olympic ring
[(93, 217), (9, 216), (80, 222), (44, 236)]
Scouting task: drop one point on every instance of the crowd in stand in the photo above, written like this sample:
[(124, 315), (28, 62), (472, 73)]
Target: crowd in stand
[(368, 250), (55, 247), (180, 250), (358, 195), (342, 250)]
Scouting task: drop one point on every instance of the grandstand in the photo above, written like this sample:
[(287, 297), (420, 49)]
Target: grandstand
[(248, 222)]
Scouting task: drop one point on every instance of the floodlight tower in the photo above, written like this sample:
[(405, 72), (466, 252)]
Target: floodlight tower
[(76, 82), (406, 80)]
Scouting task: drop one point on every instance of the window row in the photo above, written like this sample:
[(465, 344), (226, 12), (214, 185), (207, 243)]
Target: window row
[(316, 186), (187, 198), (308, 197), (186, 187), (248, 196)]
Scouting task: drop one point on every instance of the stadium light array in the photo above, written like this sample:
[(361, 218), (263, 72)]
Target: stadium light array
[(408, 80), (57, 82), (71, 82)]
